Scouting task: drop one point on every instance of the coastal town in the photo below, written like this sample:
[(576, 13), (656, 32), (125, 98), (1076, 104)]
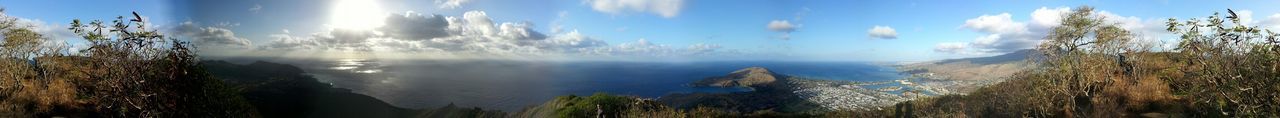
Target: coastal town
[(855, 95), (842, 95)]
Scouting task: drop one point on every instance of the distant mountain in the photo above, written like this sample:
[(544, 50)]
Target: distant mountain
[(978, 68), (283, 91), (960, 76), (1015, 56)]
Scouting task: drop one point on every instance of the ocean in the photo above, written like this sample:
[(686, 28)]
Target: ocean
[(513, 85)]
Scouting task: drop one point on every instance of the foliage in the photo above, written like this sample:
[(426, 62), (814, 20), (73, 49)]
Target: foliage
[(1091, 68), (599, 104), (127, 71), (1229, 69)]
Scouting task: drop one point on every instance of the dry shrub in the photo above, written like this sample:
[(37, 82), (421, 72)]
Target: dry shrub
[(128, 71), (1227, 69)]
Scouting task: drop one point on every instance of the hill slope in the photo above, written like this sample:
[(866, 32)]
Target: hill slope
[(978, 68), (960, 76), (280, 90)]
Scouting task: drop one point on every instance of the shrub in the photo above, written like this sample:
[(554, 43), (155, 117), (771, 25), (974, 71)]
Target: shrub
[(128, 70)]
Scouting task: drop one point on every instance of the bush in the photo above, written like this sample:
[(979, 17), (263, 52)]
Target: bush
[(127, 71), (1228, 69), (1092, 69)]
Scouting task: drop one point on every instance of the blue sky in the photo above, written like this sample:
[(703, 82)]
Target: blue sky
[(613, 29)]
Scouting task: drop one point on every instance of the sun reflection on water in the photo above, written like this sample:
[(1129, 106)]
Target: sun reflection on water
[(364, 66)]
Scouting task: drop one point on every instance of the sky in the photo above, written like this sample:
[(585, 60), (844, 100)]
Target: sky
[(641, 30)]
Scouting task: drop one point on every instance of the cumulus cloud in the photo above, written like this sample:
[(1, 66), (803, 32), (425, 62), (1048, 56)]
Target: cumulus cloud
[(572, 42), (950, 47), (1246, 17), (335, 39), (1048, 17), (1003, 34), (286, 42), (882, 32), (414, 26), (1270, 22), (1001, 23), (342, 39), (664, 8), (474, 33), (210, 36), (783, 26), (55, 35), (450, 4)]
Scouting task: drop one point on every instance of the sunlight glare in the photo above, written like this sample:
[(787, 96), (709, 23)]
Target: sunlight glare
[(356, 15)]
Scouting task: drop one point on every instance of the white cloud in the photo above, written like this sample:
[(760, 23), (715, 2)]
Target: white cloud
[(950, 47), (210, 36), (450, 4), (1001, 23), (255, 8), (342, 39), (986, 41), (664, 8), (472, 34), (783, 26), (1046, 17), (1246, 17), (882, 32), (1003, 34), (1270, 22), (55, 35), (286, 42)]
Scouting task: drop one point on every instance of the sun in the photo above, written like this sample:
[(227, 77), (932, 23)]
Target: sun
[(356, 15)]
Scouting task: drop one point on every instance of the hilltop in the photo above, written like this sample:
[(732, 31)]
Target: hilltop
[(748, 77)]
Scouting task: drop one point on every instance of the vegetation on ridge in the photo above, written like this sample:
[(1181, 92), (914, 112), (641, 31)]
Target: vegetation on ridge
[(128, 70), (1090, 68), (1093, 68)]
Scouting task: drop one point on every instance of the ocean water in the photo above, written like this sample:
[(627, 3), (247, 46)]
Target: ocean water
[(513, 85)]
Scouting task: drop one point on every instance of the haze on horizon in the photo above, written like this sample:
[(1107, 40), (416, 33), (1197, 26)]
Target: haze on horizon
[(641, 30)]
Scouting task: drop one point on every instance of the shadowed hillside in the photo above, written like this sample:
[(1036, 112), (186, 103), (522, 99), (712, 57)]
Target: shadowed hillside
[(280, 90), (127, 70)]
